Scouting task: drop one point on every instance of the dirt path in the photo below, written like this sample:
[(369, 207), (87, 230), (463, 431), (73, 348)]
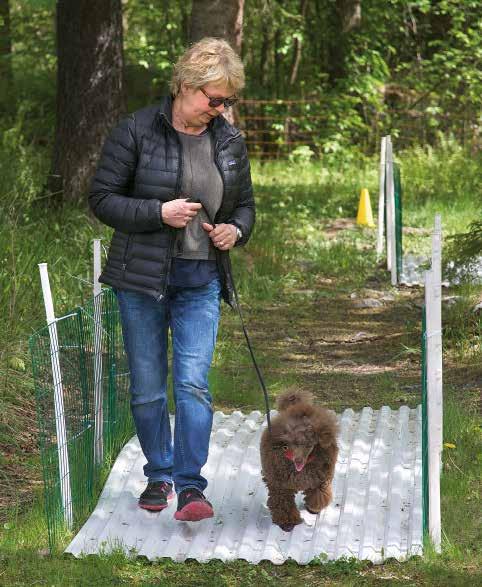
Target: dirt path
[(350, 355)]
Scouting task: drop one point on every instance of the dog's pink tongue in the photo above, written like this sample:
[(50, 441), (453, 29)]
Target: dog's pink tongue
[(299, 466)]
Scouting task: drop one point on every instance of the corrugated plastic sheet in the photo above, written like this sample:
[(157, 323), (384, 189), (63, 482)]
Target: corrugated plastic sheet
[(376, 512), (414, 267)]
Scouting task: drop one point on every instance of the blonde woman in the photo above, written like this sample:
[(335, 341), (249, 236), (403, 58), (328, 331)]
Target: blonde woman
[(174, 182)]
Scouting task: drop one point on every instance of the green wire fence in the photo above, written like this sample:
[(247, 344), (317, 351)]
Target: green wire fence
[(81, 434)]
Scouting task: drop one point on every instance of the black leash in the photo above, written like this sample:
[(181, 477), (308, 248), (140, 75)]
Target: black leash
[(238, 307), (258, 372)]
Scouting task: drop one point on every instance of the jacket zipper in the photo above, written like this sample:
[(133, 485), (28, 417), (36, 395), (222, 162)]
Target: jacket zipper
[(218, 254), (124, 263), (171, 229)]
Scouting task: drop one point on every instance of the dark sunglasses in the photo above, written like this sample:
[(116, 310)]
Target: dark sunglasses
[(215, 102)]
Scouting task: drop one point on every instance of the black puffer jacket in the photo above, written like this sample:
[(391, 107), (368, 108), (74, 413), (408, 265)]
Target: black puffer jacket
[(140, 168)]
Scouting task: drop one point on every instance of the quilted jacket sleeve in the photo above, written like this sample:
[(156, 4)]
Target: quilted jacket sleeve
[(244, 214), (109, 196)]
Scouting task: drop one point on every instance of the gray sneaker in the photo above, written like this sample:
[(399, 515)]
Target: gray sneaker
[(156, 495)]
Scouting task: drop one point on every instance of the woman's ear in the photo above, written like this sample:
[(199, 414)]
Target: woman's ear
[(184, 89)]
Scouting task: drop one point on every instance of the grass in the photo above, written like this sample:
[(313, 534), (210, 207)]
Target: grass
[(296, 280)]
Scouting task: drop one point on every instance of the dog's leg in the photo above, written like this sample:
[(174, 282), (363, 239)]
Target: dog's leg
[(318, 498), (283, 509)]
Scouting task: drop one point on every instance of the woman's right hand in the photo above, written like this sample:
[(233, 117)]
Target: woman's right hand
[(179, 212)]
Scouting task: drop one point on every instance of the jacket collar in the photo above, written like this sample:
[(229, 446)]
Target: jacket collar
[(219, 126)]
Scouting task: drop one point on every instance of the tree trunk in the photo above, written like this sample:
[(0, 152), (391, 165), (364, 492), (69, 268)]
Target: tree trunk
[(218, 18), (263, 67), (90, 96), (6, 76), (277, 59), (298, 45), (345, 19), (350, 12), (222, 19)]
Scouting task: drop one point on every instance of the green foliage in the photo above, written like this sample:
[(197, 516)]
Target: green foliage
[(154, 37), (34, 66), (409, 68), (467, 246)]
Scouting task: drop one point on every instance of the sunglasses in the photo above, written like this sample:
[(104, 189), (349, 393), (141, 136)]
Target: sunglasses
[(215, 102)]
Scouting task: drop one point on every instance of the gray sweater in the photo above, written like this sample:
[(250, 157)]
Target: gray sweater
[(202, 181)]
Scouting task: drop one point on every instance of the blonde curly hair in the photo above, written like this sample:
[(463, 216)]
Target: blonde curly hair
[(208, 61)]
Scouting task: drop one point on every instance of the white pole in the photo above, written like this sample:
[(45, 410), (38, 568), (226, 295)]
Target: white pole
[(437, 249), (381, 199), (62, 449), (391, 248), (437, 271), (98, 395), (434, 404)]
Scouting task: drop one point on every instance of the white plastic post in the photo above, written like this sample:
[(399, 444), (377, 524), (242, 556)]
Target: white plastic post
[(98, 395), (433, 306), (390, 192), (437, 249), (437, 271), (381, 199), (62, 449)]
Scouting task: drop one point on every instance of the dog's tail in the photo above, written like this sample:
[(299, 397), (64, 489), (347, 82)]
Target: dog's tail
[(292, 397)]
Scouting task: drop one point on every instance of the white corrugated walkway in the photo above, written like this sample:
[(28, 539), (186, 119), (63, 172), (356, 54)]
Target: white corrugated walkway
[(414, 267), (376, 512)]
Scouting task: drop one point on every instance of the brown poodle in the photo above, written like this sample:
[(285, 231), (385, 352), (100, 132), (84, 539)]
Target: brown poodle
[(299, 455)]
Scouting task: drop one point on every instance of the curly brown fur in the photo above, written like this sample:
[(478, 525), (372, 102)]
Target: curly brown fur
[(307, 433)]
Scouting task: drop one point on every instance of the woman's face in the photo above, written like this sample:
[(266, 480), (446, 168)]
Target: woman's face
[(195, 103)]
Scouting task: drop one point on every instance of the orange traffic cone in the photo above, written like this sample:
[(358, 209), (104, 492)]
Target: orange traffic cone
[(365, 216)]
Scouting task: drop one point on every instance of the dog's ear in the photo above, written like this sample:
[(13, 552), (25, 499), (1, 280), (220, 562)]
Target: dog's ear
[(326, 427), (326, 439), (279, 434)]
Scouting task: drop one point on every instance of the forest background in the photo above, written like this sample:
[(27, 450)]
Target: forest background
[(325, 80)]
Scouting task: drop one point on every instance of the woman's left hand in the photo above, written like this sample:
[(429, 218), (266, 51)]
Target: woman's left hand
[(223, 236)]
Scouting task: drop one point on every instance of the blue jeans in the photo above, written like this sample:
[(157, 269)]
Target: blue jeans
[(192, 315)]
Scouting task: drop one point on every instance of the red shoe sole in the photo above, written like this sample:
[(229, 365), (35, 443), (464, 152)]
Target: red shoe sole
[(157, 508), (194, 512)]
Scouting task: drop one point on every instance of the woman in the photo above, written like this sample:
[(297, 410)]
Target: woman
[(174, 182)]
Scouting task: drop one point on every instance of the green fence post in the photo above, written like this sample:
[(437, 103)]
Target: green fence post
[(398, 218)]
